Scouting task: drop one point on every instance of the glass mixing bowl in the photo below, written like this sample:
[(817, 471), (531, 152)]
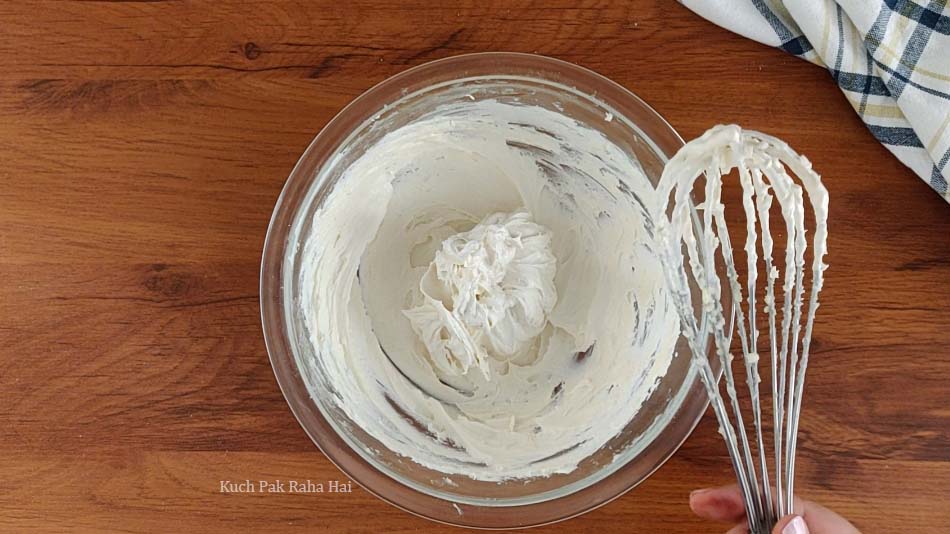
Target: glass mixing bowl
[(657, 430)]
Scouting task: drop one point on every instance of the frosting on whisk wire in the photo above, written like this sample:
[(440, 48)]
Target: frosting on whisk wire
[(762, 163)]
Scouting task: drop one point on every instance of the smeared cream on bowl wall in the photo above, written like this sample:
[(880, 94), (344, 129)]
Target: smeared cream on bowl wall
[(482, 290)]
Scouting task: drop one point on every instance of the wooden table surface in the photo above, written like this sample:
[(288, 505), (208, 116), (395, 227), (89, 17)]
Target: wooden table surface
[(142, 148)]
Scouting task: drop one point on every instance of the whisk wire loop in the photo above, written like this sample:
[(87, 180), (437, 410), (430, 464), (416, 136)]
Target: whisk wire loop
[(762, 163)]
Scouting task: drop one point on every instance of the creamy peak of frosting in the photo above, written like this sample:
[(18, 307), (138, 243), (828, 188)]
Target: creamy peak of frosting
[(487, 293)]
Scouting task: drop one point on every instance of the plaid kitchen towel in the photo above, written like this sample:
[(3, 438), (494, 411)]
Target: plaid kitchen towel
[(891, 59)]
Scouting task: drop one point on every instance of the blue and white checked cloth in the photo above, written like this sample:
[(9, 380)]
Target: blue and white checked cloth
[(891, 59)]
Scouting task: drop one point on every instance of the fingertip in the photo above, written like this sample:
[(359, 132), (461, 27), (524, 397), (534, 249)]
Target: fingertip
[(718, 504), (697, 495), (791, 524)]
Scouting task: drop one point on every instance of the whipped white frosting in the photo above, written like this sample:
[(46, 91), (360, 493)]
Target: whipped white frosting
[(482, 291), (486, 294)]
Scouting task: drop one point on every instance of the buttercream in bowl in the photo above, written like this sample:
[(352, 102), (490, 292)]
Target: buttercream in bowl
[(468, 303), (534, 367)]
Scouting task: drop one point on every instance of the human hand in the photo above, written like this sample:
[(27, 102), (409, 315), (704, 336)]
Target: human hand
[(725, 504)]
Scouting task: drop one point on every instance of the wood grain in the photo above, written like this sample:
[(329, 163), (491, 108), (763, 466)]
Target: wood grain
[(143, 145)]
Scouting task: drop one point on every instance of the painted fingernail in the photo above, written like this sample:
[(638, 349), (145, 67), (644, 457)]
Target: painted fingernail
[(796, 526)]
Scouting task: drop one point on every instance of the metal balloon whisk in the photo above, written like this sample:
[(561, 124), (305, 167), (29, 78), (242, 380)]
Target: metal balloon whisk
[(692, 241)]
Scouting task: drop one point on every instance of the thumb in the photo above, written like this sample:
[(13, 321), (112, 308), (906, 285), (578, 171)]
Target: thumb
[(791, 524)]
